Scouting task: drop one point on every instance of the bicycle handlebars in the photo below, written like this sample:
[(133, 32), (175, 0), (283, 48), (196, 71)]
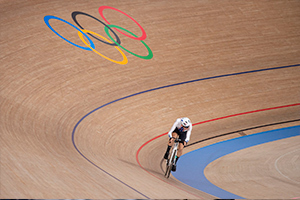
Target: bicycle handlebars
[(177, 139)]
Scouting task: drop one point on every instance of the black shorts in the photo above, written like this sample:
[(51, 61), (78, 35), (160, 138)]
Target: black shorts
[(182, 135)]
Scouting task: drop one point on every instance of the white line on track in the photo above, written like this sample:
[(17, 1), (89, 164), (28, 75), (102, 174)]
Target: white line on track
[(280, 171)]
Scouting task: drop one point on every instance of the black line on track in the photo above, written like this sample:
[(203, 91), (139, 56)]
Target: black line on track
[(239, 131)]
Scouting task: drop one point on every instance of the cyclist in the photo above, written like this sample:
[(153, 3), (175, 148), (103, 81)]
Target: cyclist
[(183, 129)]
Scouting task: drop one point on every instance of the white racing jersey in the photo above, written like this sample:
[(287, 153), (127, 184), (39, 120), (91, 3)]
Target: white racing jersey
[(179, 126)]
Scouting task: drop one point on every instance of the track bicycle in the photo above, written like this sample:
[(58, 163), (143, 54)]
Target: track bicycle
[(172, 158)]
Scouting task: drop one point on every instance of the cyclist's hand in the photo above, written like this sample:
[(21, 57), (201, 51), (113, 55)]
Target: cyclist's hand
[(185, 143)]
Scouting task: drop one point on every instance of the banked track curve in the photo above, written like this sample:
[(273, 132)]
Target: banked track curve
[(168, 86), (216, 119)]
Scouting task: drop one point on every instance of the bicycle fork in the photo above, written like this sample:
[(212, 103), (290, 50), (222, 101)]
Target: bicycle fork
[(173, 156)]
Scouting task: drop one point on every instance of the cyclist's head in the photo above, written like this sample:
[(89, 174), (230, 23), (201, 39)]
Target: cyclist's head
[(185, 122)]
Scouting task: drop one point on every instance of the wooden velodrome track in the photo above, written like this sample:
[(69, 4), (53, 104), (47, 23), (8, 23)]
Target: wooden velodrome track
[(77, 125)]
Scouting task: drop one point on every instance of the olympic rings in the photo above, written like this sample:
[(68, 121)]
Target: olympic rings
[(116, 43), (74, 14), (123, 62), (149, 56), (101, 8)]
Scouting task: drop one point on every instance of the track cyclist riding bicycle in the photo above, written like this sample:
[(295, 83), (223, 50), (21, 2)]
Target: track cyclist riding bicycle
[(182, 128)]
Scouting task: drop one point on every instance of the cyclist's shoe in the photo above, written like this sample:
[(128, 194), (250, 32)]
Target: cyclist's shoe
[(174, 168), (166, 155)]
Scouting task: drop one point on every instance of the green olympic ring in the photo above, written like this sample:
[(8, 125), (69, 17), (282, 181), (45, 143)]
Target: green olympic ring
[(149, 56)]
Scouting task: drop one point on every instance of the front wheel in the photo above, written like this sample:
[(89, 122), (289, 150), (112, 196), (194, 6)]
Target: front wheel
[(169, 164), (168, 170)]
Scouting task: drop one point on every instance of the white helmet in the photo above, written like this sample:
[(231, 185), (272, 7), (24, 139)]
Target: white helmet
[(185, 122)]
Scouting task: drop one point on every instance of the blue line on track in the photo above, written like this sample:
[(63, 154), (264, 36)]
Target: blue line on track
[(158, 88), (196, 161)]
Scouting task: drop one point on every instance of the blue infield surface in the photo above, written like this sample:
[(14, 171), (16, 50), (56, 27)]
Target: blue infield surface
[(191, 166)]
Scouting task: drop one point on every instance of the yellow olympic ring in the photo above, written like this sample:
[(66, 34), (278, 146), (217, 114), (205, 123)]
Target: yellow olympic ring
[(123, 62)]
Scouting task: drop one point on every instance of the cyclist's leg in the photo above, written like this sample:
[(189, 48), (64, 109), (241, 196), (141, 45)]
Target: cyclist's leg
[(180, 149), (179, 153), (182, 137)]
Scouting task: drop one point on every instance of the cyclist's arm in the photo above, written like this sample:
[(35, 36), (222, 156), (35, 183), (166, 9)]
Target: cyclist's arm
[(173, 127), (188, 134)]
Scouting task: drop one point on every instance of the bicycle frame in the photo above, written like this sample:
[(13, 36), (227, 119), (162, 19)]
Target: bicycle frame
[(172, 158)]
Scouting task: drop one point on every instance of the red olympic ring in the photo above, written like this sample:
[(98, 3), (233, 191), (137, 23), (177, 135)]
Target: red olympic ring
[(101, 8)]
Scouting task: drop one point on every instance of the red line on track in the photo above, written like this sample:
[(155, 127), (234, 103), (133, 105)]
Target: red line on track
[(203, 122)]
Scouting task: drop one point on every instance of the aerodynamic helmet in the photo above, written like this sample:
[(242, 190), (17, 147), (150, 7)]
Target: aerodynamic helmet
[(185, 122)]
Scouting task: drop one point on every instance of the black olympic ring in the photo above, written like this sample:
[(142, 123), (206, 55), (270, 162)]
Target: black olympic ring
[(75, 13)]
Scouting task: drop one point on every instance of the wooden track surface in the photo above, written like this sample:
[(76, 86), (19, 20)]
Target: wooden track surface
[(66, 132)]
